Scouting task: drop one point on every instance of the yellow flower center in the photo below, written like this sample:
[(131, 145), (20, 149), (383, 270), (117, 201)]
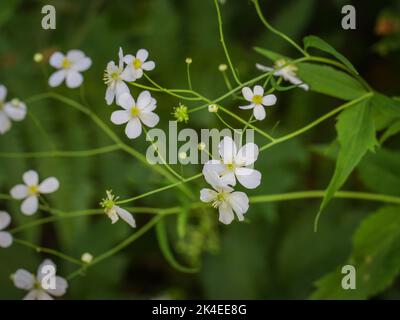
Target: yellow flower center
[(66, 63), (137, 63), (135, 111), (32, 190), (257, 99), (114, 75), (230, 166)]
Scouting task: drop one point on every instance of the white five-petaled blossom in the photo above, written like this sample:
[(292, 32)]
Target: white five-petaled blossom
[(224, 197), (136, 113), (6, 238), (286, 71), (31, 190), (258, 101), (136, 64), (235, 164), (12, 110), (37, 286), (114, 79), (70, 68), (115, 212)]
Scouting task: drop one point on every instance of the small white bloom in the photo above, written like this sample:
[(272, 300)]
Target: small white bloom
[(235, 164), (288, 72), (13, 110), (201, 146), (136, 113), (224, 198), (70, 68), (27, 281), (222, 67), (114, 79), (31, 190), (6, 238), (115, 212), (212, 108), (87, 257), (136, 65), (258, 101), (38, 57)]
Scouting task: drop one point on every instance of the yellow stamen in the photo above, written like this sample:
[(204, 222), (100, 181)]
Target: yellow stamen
[(66, 63), (137, 63), (135, 111), (257, 99), (32, 190)]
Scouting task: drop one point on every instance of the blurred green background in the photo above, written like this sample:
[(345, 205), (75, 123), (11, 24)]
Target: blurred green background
[(276, 254)]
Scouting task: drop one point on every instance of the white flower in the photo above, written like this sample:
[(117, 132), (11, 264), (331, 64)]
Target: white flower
[(87, 258), (235, 164), (114, 79), (136, 65), (31, 190), (288, 72), (212, 108), (6, 238), (258, 101), (37, 285), (13, 110), (136, 113), (115, 212), (224, 198), (69, 67)]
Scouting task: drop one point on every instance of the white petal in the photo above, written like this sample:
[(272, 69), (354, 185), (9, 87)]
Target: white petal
[(120, 117), (148, 66), (75, 55), (126, 101), (248, 178), (207, 195), (228, 178), (20, 191), (31, 178), (150, 119), (126, 216), (3, 93), (110, 94), (128, 74), (225, 213), (6, 239), (74, 79), (57, 78), (56, 60), (5, 220), (142, 55), (30, 205), (113, 216), (23, 279), (49, 185), (247, 93), (32, 295), (138, 73), (247, 154), (82, 64), (5, 123), (258, 90), (121, 57), (239, 203), (259, 112), (269, 100), (263, 68), (61, 287), (143, 99), (250, 106), (227, 150), (151, 106), (121, 88), (211, 171), (42, 295), (133, 128), (40, 272), (15, 112), (128, 59)]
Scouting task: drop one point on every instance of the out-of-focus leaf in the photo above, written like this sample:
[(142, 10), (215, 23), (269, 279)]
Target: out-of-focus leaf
[(375, 256), (390, 132), (318, 43), (273, 56), (386, 110), (356, 135)]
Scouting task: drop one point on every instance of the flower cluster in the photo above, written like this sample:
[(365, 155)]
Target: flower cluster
[(10, 110), (222, 174)]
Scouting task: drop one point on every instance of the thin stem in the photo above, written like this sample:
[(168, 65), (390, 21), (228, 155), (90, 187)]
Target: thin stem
[(63, 154), (48, 251), (170, 186), (275, 31), (316, 122), (221, 35), (225, 123), (188, 76)]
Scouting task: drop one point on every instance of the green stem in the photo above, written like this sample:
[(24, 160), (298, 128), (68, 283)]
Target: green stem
[(221, 35), (316, 122), (188, 76)]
